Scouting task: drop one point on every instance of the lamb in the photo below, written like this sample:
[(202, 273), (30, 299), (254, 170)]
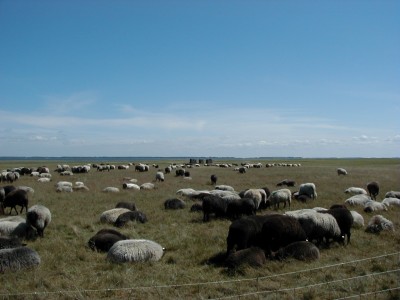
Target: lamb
[(373, 205), (111, 189), (130, 186), (360, 199), (379, 223), (64, 188), (7, 242), (392, 194), (104, 239), (278, 196), (18, 229), (308, 189), (14, 198), (16, 259), (355, 191), (110, 216), (341, 171), (253, 257), (391, 202), (39, 217), (160, 176), (126, 217), (174, 203), (302, 250), (137, 250), (129, 205), (373, 189)]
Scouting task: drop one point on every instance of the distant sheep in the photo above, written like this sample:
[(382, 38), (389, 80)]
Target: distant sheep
[(110, 216), (391, 202), (373, 189), (224, 187), (129, 205), (135, 251), (16, 259), (147, 186), (360, 199), (308, 189), (129, 216), (341, 171), (16, 198), (253, 257), (44, 180), (280, 196), (104, 239), (392, 194), (111, 189), (301, 250), (130, 186), (286, 182), (186, 192), (174, 203), (39, 217), (379, 223), (355, 191), (160, 176), (64, 188), (214, 179)]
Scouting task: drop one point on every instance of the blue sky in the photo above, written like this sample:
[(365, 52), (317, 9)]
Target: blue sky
[(200, 78)]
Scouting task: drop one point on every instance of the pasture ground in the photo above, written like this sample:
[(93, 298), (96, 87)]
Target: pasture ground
[(368, 268)]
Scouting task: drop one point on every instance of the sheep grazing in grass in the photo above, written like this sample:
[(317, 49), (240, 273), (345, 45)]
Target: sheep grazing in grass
[(355, 191), (214, 179), (111, 189), (372, 205), (174, 203), (357, 200), (358, 219), (286, 182), (111, 215), (138, 250), (308, 189), (39, 217), (16, 198), (214, 205), (130, 186), (344, 219), (391, 202), (373, 189), (44, 179), (18, 229), (160, 176), (256, 195), (341, 171), (224, 187), (379, 223), (188, 192), (130, 216), (27, 189), (237, 208), (392, 194), (302, 250), (16, 259), (280, 196), (253, 257), (104, 239), (129, 205), (7, 242), (147, 186)]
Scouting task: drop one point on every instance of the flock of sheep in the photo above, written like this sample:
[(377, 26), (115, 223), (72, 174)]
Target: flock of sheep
[(258, 231)]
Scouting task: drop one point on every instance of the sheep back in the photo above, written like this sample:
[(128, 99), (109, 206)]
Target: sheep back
[(38, 216), (253, 257), (135, 251), (16, 259), (302, 250), (111, 215)]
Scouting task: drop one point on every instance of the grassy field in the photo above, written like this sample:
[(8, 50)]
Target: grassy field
[(70, 270)]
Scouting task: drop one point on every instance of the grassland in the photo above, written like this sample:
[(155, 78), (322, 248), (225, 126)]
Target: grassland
[(70, 270)]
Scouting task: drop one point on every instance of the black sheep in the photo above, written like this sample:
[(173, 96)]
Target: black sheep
[(243, 206), (214, 205), (14, 198), (104, 239), (302, 250), (373, 189), (214, 179), (127, 205), (130, 216), (7, 242), (253, 257), (174, 203), (344, 218)]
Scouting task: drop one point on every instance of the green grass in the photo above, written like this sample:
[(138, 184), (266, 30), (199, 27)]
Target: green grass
[(72, 271)]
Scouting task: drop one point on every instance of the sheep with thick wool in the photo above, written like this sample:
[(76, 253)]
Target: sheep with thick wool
[(280, 196), (355, 191), (104, 239), (18, 229), (372, 205), (7, 242), (111, 215), (379, 223), (301, 250), (39, 217), (308, 189), (16, 259), (360, 199), (135, 250), (392, 194), (392, 201)]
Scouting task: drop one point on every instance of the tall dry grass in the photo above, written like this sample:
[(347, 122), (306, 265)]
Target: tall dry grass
[(70, 270)]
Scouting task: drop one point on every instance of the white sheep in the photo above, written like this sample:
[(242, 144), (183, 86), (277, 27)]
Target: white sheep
[(355, 191), (139, 250), (391, 202), (111, 215), (372, 205), (130, 186), (64, 188), (227, 195), (256, 196), (39, 217), (379, 223), (392, 194), (223, 187), (19, 258), (160, 176), (341, 171), (280, 196), (358, 219), (187, 192), (147, 186), (360, 199), (80, 188), (44, 179), (18, 229), (111, 189), (45, 175), (308, 189), (27, 189)]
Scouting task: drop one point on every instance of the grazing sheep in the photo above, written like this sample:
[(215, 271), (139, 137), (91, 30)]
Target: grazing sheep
[(135, 251), (104, 239), (130, 186), (18, 229), (174, 203), (239, 207), (147, 186), (308, 189), (301, 198), (279, 231), (372, 205), (110, 216), (16, 259), (355, 191), (129, 205), (256, 195), (227, 195), (186, 192), (357, 200), (223, 187), (160, 176), (44, 179), (7, 242), (80, 188), (126, 217), (214, 205), (302, 250), (286, 182), (358, 219), (392, 194), (214, 179), (39, 217), (253, 257), (341, 171), (111, 189), (196, 207), (27, 189), (344, 219), (391, 202), (14, 198), (242, 170), (373, 189), (280, 196), (379, 223), (64, 188)]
